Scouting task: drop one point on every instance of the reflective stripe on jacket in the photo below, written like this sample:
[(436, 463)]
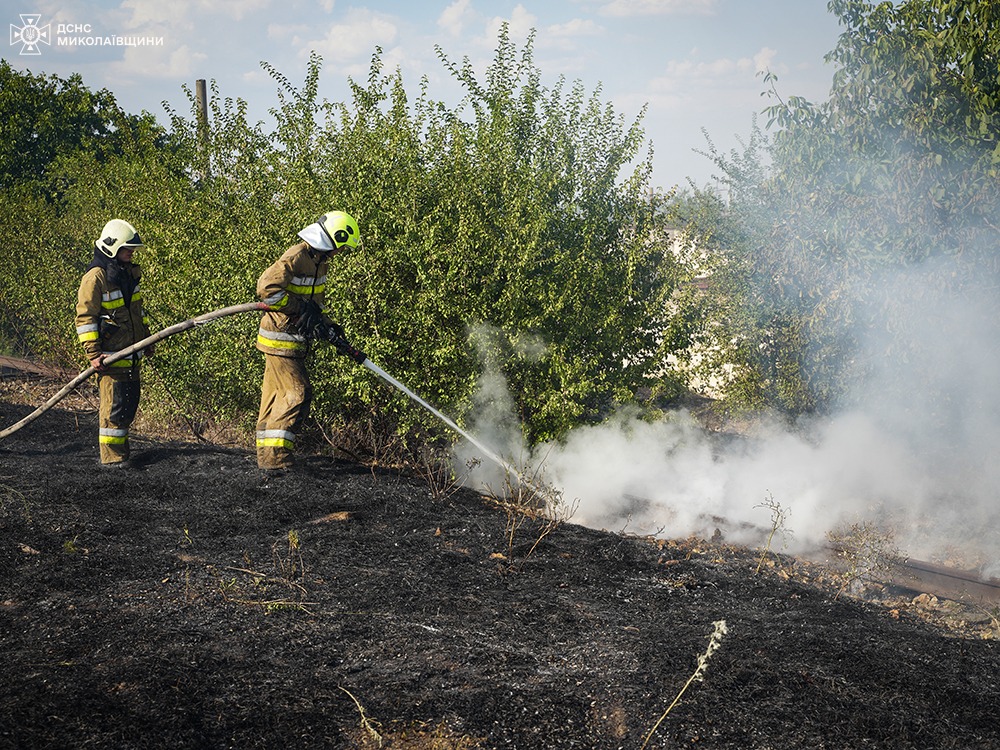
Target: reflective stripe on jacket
[(299, 274)]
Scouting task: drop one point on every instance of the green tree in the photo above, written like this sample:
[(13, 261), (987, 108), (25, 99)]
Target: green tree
[(47, 116), (512, 218), (897, 166)]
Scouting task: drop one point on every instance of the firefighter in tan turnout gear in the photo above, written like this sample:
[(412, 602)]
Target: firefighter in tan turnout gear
[(293, 288), (109, 318)]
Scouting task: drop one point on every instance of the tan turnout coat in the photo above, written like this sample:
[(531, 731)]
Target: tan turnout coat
[(104, 323), (299, 274)]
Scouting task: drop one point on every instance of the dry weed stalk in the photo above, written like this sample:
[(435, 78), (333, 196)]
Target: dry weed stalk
[(527, 497), (9, 494), (370, 440), (779, 515), (290, 569), (714, 644), (367, 725), (235, 592), (435, 467), (867, 551)]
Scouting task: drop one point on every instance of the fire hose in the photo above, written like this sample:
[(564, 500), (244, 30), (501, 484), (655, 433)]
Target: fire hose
[(329, 332), (123, 353)]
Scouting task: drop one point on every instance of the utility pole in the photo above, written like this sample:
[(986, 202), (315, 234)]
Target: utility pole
[(201, 99)]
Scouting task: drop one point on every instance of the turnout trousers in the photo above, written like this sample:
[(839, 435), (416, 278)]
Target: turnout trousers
[(119, 401), (284, 405)]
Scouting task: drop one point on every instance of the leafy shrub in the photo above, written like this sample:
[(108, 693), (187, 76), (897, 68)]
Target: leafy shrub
[(508, 213)]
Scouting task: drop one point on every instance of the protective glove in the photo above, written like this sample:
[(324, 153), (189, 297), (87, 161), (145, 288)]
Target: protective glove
[(311, 323), (336, 331), (335, 335)]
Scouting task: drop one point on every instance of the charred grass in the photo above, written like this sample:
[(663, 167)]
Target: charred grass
[(188, 604)]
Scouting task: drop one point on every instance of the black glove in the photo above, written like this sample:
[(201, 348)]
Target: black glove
[(335, 331), (311, 323), (336, 335)]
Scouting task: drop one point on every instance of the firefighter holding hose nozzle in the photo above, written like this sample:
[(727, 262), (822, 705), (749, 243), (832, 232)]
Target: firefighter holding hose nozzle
[(293, 289)]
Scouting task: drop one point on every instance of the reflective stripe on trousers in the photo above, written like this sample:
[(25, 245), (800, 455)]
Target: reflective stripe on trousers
[(284, 405), (119, 403), (276, 439), (113, 436)]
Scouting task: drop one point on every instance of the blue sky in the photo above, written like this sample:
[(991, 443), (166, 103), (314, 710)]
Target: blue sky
[(695, 63)]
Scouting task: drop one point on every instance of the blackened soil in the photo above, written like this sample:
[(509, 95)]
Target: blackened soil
[(186, 604)]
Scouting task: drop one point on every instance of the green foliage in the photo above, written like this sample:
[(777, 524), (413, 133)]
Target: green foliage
[(896, 167), (512, 219), (500, 231), (46, 117), (35, 280), (54, 134), (908, 140)]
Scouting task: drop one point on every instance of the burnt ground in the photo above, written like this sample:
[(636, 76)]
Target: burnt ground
[(186, 604)]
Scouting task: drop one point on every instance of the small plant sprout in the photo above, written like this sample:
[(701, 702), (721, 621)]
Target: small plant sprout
[(714, 644), (779, 515), (70, 547), (289, 563)]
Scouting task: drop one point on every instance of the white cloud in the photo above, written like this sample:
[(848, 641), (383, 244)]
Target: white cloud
[(630, 8), (234, 9), (577, 28), (722, 72), (141, 14), (560, 36), (395, 57), (764, 60), (282, 32), (453, 19), (355, 37), (157, 62), (256, 77), (679, 71), (519, 25)]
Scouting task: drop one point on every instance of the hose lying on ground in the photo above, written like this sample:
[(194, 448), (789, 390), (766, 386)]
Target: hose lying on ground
[(158, 336)]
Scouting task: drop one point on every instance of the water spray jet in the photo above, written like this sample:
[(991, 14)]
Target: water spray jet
[(490, 454)]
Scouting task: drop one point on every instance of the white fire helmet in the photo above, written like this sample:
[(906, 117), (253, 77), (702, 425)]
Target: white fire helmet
[(117, 234)]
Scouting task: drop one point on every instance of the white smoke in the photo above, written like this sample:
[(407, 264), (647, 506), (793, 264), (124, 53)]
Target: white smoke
[(493, 422), (915, 449), (824, 474)]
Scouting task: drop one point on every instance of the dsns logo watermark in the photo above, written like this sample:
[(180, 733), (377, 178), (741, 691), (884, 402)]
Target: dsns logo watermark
[(30, 35)]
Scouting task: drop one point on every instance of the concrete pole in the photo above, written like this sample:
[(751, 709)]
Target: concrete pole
[(201, 99)]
